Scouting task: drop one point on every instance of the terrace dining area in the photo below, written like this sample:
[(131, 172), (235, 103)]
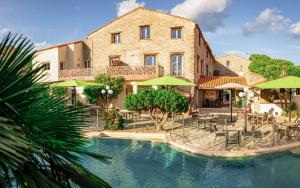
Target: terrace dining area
[(214, 133)]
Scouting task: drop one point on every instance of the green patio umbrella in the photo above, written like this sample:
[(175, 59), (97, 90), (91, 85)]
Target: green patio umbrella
[(165, 81), (289, 82), (74, 84)]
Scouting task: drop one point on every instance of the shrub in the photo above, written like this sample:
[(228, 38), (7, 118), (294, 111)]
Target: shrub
[(113, 121), (93, 93), (60, 92), (164, 100)]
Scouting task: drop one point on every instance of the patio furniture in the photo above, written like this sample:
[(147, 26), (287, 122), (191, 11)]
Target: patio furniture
[(127, 114), (233, 136), (219, 132)]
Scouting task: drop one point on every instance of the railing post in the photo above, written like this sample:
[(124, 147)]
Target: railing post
[(157, 69)]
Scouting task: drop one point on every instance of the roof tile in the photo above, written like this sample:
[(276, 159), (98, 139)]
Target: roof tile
[(210, 82)]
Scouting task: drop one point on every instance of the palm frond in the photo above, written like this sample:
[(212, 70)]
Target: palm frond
[(41, 141)]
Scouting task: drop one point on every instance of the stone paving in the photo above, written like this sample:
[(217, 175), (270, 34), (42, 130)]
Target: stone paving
[(205, 139), (196, 136)]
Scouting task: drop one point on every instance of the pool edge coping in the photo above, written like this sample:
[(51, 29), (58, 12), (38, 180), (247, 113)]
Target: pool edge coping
[(167, 138)]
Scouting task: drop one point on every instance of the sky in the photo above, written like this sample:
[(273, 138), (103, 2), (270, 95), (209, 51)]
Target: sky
[(243, 27)]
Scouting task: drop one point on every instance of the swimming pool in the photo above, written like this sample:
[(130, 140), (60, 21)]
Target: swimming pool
[(137, 164)]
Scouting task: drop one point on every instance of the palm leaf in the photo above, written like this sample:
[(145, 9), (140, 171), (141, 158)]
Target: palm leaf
[(41, 141)]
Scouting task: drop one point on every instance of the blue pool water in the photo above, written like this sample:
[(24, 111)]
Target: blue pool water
[(137, 164)]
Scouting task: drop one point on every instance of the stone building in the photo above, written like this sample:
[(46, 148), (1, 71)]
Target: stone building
[(234, 65), (139, 45)]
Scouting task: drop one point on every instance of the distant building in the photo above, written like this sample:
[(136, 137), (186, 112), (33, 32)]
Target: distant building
[(234, 65)]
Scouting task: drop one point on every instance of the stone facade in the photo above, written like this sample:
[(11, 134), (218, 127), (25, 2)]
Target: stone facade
[(234, 65), (132, 49), (98, 48)]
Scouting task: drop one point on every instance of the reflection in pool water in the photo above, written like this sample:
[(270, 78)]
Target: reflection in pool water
[(151, 164)]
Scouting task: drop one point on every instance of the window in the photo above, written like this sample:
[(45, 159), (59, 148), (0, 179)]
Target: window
[(176, 63), (207, 70), (113, 59), (87, 64), (145, 32), (227, 64), (46, 64), (150, 59), (207, 52), (62, 65), (116, 38), (198, 63), (176, 33), (202, 67), (241, 68)]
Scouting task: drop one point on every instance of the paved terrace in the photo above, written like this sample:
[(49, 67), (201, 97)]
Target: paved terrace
[(197, 139)]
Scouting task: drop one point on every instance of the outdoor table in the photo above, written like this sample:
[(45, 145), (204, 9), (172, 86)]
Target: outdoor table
[(207, 121), (127, 114), (256, 117), (288, 126)]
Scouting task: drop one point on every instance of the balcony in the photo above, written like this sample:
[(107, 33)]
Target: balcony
[(137, 73), (81, 74)]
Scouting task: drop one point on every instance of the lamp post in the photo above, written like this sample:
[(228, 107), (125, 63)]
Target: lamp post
[(108, 91), (246, 94)]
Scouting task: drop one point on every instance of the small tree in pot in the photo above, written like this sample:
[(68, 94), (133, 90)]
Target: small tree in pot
[(159, 103)]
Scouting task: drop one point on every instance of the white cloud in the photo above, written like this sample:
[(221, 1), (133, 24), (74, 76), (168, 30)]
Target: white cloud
[(128, 5), (237, 52), (39, 45), (295, 30), (267, 20), (209, 13), (3, 29)]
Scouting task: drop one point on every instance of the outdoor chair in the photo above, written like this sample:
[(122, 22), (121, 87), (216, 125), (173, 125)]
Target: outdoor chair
[(219, 132), (278, 130)]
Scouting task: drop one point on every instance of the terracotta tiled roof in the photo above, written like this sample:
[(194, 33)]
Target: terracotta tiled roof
[(210, 82)]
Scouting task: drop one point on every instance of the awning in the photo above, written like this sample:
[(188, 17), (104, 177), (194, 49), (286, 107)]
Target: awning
[(212, 82)]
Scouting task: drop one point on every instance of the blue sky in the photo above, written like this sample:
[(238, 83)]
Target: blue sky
[(244, 27)]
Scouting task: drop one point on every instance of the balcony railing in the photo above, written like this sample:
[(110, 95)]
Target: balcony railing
[(138, 72)]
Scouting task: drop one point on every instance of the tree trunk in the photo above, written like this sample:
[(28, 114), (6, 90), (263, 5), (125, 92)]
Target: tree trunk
[(159, 121)]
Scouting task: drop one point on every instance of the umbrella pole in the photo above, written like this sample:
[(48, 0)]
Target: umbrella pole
[(231, 104), (290, 106)]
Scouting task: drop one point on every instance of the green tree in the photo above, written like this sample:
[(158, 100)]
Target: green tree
[(159, 103), (93, 93), (41, 140), (271, 68)]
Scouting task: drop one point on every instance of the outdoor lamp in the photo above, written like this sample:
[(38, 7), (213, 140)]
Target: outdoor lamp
[(107, 87), (110, 92), (246, 89), (251, 94), (103, 91), (241, 94)]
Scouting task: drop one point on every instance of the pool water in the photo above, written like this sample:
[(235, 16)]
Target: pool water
[(137, 164)]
